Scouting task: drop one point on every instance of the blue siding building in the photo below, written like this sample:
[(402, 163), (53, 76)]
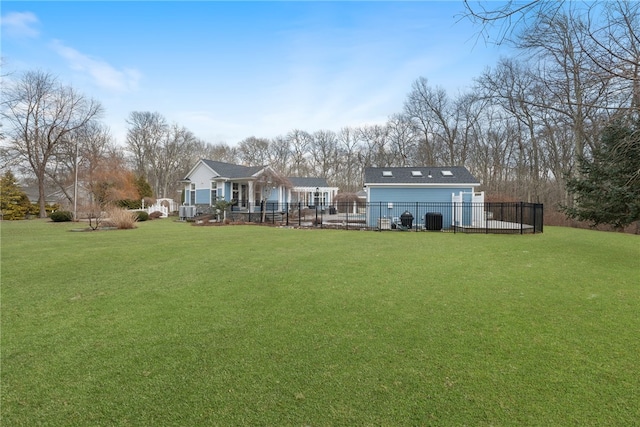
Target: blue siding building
[(418, 191), (248, 186)]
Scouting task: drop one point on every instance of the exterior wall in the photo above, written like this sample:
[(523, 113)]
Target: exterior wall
[(203, 196), (201, 177), (414, 194), (384, 200)]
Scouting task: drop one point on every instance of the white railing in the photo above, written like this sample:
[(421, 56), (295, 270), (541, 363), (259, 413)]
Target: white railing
[(158, 208)]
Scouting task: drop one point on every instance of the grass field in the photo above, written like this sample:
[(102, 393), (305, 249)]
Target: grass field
[(175, 325)]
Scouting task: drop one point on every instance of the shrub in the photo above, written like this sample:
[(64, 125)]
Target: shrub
[(155, 215), (129, 204), (61, 216), (122, 219), (142, 216)]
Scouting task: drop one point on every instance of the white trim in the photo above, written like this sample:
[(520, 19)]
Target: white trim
[(195, 167)]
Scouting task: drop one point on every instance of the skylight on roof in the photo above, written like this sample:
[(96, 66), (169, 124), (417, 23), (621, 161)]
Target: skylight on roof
[(446, 173), (387, 173), (416, 173)]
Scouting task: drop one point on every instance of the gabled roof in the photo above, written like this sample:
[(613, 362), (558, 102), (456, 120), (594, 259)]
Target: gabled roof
[(419, 175), (297, 181), (229, 170)]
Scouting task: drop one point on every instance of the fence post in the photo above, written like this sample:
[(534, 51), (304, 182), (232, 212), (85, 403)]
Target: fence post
[(454, 217), (535, 223), (521, 217), (486, 220), (347, 215)]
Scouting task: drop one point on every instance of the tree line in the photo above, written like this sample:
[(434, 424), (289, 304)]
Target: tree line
[(526, 128)]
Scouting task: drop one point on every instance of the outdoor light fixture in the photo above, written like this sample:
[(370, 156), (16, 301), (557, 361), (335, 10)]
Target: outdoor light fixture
[(429, 176)]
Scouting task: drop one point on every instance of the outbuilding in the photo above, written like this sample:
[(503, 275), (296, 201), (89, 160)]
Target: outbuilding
[(446, 194)]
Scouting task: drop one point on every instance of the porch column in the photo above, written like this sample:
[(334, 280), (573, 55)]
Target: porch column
[(251, 194)]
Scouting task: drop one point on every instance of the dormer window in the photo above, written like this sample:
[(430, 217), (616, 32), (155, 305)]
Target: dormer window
[(416, 173), (446, 173), (387, 174)]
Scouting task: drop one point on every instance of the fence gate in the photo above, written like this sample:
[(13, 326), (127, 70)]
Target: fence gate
[(467, 209)]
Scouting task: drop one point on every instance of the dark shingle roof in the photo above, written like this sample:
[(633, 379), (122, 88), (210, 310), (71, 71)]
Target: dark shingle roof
[(228, 170), (308, 181), (459, 175)]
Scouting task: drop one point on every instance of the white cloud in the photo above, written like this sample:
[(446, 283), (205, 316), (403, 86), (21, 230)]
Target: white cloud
[(19, 24), (104, 74)]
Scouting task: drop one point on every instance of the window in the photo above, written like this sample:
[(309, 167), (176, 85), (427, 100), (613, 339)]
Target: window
[(192, 195), (446, 173), (387, 173), (235, 192), (416, 173)]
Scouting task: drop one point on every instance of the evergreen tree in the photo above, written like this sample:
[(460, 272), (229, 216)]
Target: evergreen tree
[(607, 189), (14, 203), (144, 188)]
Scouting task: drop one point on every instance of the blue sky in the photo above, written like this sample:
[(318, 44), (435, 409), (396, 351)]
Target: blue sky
[(230, 70)]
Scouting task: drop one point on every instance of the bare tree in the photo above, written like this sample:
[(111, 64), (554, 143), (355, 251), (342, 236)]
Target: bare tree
[(254, 151), (347, 173), (500, 21), (515, 88), (373, 146), (402, 140), (324, 153), (41, 114), (418, 108), (299, 142), (145, 135), (280, 155), (161, 153), (85, 149), (171, 159), (612, 43), (221, 152)]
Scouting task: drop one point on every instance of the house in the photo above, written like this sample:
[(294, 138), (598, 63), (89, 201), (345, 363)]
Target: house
[(446, 192), (248, 186)]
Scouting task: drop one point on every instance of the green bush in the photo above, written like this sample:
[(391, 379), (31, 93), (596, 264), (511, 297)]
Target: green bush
[(142, 216), (129, 204), (61, 216)]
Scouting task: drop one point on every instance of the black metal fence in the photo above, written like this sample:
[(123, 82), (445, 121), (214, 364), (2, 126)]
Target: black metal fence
[(466, 217)]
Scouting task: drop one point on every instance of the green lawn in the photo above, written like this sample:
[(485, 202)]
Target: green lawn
[(175, 325)]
